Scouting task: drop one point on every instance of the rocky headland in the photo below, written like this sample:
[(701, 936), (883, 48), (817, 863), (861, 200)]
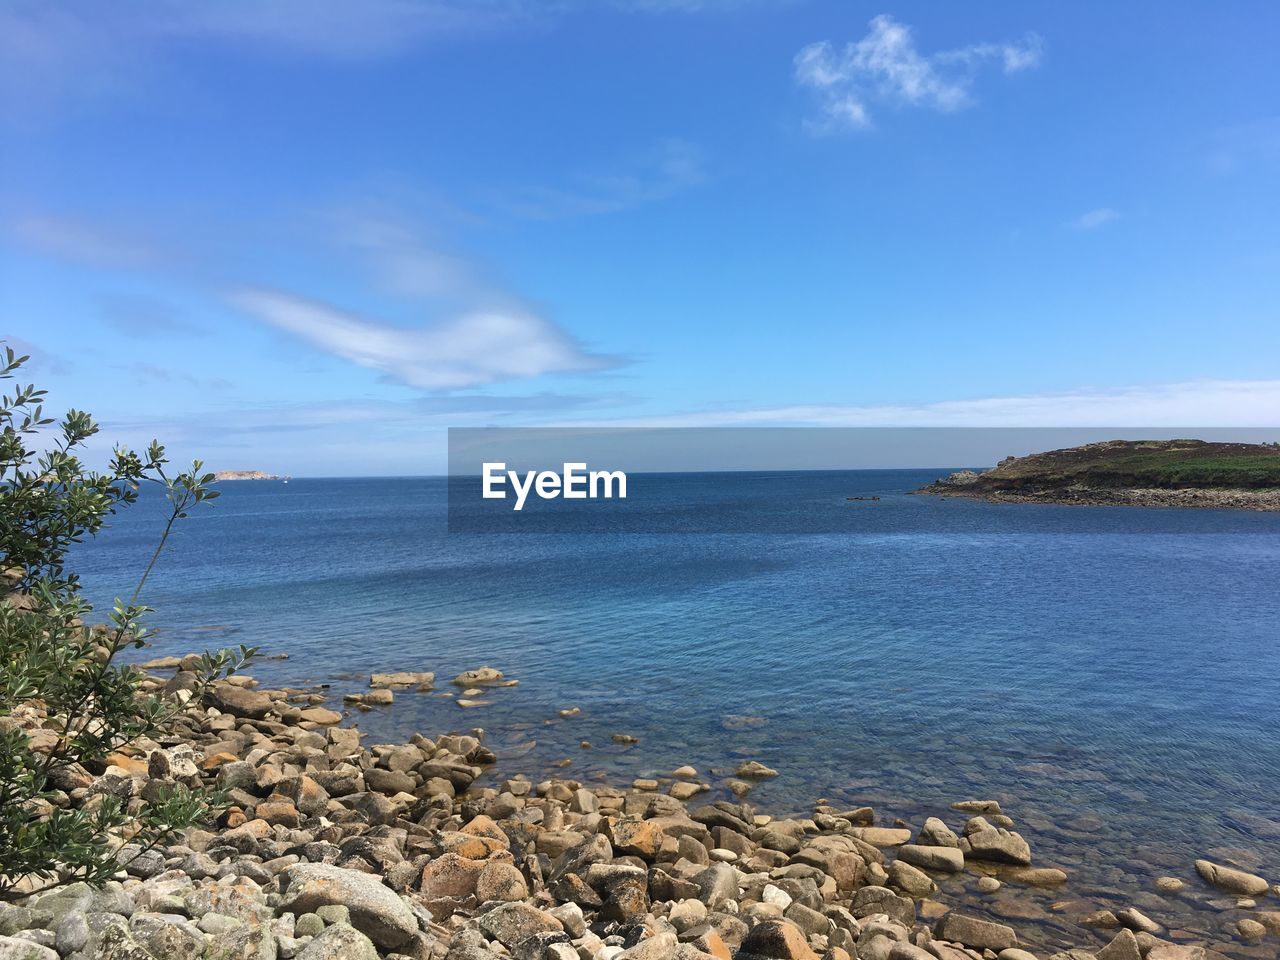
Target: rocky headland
[(245, 475), (337, 849), (1147, 473)]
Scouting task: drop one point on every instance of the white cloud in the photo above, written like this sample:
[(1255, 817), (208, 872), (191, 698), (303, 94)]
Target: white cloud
[(1094, 219), (885, 67), (1197, 403), (468, 350)]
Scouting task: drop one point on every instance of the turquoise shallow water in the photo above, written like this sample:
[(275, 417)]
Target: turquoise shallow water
[(1110, 674)]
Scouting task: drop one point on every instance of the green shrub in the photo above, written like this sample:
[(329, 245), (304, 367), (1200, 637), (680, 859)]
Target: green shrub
[(59, 678)]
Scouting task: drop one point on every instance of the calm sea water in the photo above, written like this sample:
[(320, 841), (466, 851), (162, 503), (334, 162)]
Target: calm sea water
[(1112, 675)]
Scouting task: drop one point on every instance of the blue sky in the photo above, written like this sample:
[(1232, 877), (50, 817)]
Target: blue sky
[(308, 235)]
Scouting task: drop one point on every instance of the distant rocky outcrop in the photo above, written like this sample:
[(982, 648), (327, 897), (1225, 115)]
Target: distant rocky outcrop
[(245, 475), (1156, 473)]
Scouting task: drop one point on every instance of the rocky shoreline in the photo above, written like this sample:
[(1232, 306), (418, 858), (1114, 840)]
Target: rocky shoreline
[(335, 849), (963, 484), (1131, 473)]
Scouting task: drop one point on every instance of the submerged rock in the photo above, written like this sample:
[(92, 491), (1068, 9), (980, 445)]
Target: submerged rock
[(1230, 879)]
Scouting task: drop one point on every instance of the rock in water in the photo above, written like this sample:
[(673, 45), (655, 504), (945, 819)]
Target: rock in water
[(405, 679), (1124, 946), (1000, 845), (1231, 880), (972, 932), (947, 859), (480, 675)]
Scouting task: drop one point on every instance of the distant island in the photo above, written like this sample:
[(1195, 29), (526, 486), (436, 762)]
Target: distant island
[(245, 475), (1149, 473)]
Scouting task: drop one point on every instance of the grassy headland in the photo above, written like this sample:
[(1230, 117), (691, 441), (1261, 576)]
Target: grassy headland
[(1192, 473)]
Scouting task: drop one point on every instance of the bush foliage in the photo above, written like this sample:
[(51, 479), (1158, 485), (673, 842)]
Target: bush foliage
[(66, 705)]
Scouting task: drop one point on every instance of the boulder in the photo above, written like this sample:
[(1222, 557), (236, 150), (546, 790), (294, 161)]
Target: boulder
[(239, 702), (944, 859), (755, 770), (402, 679), (13, 948), (513, 923), (641, 838), (168, 936), (451, 876), (339, 942), (913, 882), (872, 900), (1124, 946), (478, 676), (972, 932), (376, 911), (1231, 880), (999, 845), (882, 836), (779, 940), (935, 833), (501, 881), (716, 884), (322, 716)]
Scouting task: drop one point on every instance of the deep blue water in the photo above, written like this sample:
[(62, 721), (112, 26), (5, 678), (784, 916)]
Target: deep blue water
[(1111, 674)]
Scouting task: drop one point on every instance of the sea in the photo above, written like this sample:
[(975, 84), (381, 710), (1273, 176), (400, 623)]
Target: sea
[(1111, 675)]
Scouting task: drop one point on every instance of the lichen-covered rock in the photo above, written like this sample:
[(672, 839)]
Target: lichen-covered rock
[(339, 942), (513, 923), (501, 881), (13, 948), (376, 911)]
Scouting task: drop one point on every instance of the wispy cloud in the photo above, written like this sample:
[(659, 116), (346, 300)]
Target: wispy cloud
[(473, 332), (469, 350), (88, 46), (237, 422), (80, 242), (1094, 219), (884, 67), (41, 31), (1246, 145), (1198, 403), (48, 50), (146, 317), (40, 359), (149, 374), (690, 6), (672, 167)]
